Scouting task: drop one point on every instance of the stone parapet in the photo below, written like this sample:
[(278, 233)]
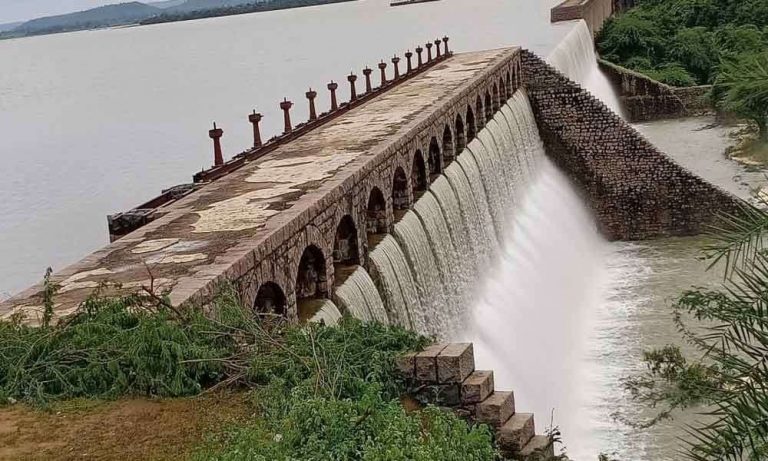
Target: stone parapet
[(644, 99), (636, 191), (445, 375), (593, 12)]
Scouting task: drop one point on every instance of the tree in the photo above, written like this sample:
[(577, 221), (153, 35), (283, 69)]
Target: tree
[(742, 88)]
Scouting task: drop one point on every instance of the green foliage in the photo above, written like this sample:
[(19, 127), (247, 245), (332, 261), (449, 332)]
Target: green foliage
[(112, 347), (685, 34), (322, 392), (742, 88), (301, 425), (672, 74)]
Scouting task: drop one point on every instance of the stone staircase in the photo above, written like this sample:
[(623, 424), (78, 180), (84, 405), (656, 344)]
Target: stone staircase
[(445, 375)]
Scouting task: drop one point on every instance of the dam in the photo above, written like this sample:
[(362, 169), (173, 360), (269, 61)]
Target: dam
[(416, 205)]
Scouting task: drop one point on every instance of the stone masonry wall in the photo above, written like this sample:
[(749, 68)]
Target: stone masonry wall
[(445, 375), (644, 99), (636, 191), (593, 12)]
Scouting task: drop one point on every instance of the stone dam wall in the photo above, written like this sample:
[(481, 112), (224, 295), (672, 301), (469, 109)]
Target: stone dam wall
[(593, 12), (636, 191), (645, 99), (280, 226)]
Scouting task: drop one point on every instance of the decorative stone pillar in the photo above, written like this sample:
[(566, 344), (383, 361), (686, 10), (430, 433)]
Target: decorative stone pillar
[(445, 48), (429, 52), (438, 42), (420, 50), (352, 78), (216, 134), (383, 69), (408, 56), (396, 63), (333, 86), (311, 95), (286, 106), (367, 72), (255, 118)]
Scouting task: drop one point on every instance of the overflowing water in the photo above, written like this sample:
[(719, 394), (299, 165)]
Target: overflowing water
[(397, 285), (359, 297), (326, 313), (575, 57)]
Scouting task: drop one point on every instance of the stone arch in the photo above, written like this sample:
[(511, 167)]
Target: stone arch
[(502, 92), (376, 213), (488, 107), (401, 198), (434, 158), (461, 137), (480, 113), (508, 81), (270, 299), (419, 177), (345, 248), (471, 126), (449, 151), (496, 103), (311, 281)]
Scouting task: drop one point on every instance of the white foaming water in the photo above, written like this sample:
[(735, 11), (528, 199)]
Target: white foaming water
[(532, 320), (328, 313), (576, 58), (397, 285), (359, 297)]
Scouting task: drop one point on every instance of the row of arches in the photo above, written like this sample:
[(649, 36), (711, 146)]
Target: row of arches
[(311, 283)]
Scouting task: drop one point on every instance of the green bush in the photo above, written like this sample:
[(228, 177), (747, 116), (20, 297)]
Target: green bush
[(690, 34)]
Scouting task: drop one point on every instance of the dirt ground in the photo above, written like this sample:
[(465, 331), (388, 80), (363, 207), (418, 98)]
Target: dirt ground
[(136, 429)]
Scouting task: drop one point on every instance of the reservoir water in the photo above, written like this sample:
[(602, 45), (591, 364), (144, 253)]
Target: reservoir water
[(96, 122)]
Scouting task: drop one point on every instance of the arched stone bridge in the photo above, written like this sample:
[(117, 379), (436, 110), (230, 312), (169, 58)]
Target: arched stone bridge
[(276, 225), (285, 220)]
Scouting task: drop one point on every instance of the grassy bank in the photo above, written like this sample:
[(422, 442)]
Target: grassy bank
[(311, 392)]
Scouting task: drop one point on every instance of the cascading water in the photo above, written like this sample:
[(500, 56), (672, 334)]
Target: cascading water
[(327, 313), (358, 296), (576, 58), (397, 285), (503, 247)]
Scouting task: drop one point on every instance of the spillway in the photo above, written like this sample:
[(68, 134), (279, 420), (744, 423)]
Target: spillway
[(502, 252)]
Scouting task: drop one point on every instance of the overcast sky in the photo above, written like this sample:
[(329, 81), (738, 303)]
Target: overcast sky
[(22, 10)]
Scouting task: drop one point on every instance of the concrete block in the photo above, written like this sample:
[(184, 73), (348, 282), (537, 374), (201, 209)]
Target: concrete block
[(516, 433), (426, 363), (496, 409), (406, 365), (539, 448), (455, 363), (477, 387)]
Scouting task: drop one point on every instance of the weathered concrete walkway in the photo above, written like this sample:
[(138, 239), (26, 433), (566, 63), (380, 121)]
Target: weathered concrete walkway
[(254, 225)]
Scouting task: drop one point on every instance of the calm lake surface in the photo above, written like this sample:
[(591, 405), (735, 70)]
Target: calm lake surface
[(96, 122)]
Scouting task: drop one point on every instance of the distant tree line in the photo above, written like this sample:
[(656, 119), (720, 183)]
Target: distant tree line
[(239, 9)]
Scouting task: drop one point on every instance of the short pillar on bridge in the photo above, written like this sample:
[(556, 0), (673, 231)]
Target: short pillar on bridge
[(367, 72), (383, 69), (438, 42), (396, 63), (352, 78), (445, 48), (311, 95), (286, 106), (216, 134), (332, 87), (409, 65), (420, 50), (429, 52), (255, 118)]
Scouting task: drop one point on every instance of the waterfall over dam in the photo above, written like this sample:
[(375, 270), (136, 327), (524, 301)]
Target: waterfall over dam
[(428, 271)]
